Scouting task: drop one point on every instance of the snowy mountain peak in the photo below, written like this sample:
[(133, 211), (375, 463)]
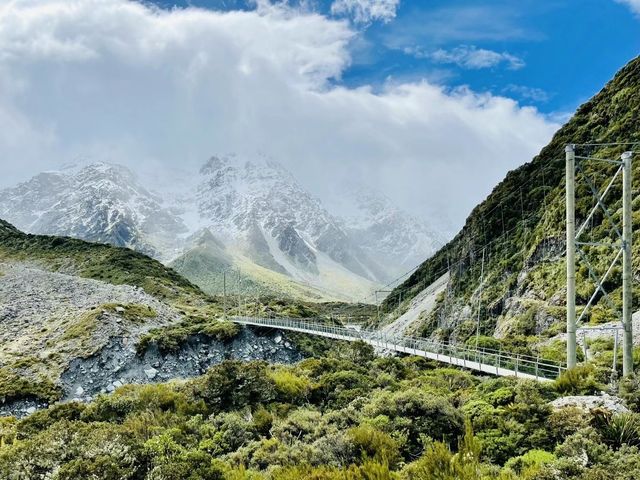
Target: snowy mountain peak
[(279, 224), (248, 211), (99, 202)]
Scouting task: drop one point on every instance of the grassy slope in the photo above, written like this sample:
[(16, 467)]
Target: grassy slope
[(203, 265), (110, 264), (523, 221), (28, 375)]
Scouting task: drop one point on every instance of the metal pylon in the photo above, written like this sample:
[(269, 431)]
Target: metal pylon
[(620, 247)]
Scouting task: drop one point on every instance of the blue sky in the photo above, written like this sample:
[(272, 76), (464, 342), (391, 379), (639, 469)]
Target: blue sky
[(429, 102), (561, 51)]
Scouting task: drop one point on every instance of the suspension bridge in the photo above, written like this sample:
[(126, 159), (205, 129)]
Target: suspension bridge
[(507, 363), (484, 360)]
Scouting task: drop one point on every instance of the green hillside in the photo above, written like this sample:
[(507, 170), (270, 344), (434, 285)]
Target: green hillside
[(47, 326), (116, 265), (520, 226)]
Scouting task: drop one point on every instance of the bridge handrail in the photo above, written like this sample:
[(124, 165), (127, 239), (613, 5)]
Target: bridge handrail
[(442, 342), (500, 359)]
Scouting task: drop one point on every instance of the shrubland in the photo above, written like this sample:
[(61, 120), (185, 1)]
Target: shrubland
[(348, 415)]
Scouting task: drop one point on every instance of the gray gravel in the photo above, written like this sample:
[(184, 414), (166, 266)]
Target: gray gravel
[(35, 305), (38, 306)]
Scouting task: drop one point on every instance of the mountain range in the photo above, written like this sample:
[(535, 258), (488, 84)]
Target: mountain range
[(246, 215)]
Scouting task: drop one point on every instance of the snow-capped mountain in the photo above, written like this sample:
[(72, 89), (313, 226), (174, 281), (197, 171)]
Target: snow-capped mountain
[(247, 213), (396, 239), (100, 202), (258, 210), (278, 223)]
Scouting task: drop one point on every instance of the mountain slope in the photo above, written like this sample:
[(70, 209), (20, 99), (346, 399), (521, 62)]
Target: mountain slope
[(115, 265), (280, 236), (100, 203), (520, 227), (62, 299), (396, 240)]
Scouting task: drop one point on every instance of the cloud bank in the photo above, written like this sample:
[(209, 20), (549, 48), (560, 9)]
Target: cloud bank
[(158, 90)]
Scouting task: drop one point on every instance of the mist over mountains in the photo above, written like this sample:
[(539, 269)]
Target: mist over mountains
[(234, 213)]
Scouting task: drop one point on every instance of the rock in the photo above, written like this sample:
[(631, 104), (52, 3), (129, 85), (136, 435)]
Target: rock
[(31, 410), (110, 388), (151, 373), (120, 309), (79, 391), (590, 402), (287, 345), (277, 338)]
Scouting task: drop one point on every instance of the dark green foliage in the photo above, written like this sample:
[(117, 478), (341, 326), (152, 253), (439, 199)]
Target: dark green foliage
[(233, 385), (630, 392), (581, 380), (349, 416), (618, 430)]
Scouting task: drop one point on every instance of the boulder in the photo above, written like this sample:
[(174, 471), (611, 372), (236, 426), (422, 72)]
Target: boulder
[(590, 402)]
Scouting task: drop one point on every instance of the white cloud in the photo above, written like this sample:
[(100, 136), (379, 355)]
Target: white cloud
[(634, 5), (366, 11), (528, 93), (117, 80), (469, 56)]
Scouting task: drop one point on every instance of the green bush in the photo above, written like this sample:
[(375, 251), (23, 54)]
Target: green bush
[(581, 380), (290, 388), (234, 384), (374, 444)]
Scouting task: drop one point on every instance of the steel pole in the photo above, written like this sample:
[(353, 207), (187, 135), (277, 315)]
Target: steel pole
[(480, 301), (571, 255), (614, 367), (627, 275), (224, 293)]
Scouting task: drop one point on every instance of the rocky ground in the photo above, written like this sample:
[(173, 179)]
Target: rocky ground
[(591, 402), (37, 305), (421, 306), (118, 364), (39, 309)]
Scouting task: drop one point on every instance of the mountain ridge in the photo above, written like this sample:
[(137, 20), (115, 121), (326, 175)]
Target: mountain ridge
[(253, 207), (520, 226)]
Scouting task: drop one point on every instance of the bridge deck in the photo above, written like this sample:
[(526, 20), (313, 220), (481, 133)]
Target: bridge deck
[(483, 360)]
